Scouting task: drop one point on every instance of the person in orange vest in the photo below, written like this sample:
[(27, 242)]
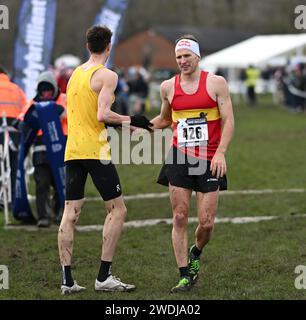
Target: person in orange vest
[(48, 209), (12, 102)]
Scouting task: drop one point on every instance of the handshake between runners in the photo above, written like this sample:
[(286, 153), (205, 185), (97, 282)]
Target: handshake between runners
[(140, 121)]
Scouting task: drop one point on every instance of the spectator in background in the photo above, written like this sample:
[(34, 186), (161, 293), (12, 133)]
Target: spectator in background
[(266, 76), (298, 87), (278, 76), (12, 102), (63, 79), (252, 74), (138, 92), (63, 69), (292, 80), (286, 79), (120, 104), (222, 72), (48, 207)]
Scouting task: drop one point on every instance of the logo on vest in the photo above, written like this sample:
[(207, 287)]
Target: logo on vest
[(56, 147)]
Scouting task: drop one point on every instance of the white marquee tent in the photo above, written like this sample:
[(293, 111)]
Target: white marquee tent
[(259, 50)]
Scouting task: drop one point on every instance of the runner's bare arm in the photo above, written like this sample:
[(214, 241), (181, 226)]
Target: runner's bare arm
[(106, 99), (164, 119), (218, 163), (226, 111)]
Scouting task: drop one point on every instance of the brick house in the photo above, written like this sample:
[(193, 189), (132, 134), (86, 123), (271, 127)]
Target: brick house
[(154, 48)]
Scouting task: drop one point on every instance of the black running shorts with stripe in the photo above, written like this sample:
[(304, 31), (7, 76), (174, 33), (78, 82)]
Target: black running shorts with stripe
[(104, 176), (187, 172)]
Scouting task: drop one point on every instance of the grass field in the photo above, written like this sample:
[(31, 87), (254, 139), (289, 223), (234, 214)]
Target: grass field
[(242, 261)]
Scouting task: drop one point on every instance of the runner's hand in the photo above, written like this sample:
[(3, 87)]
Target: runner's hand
[(218, 165), (141, 122)]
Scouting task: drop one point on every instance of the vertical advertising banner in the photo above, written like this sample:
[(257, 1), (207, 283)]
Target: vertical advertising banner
[(111, 15), (34, 42)]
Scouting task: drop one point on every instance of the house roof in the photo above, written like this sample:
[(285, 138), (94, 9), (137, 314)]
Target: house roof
[(210, 39)]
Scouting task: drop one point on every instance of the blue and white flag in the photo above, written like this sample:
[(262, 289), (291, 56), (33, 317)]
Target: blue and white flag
[(43, 115), (21, 206), (34, 42), (112, 16)]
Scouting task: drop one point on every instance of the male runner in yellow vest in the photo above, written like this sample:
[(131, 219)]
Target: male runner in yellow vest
[(90, 94)]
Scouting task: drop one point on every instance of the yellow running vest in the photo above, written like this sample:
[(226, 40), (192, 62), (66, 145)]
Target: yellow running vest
[(87, 137)]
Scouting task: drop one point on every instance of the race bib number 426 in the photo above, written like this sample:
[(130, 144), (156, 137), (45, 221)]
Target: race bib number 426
[(192, 132)]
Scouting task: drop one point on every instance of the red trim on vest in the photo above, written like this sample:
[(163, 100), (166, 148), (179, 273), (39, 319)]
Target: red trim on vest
[(199, 100)]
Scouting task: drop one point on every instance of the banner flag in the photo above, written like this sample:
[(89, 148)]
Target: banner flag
[(34, 42), (112, 16)]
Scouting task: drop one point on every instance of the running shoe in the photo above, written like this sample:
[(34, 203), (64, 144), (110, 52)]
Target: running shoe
[(183, 285), (74, 289), (113, 283), (193, 266)]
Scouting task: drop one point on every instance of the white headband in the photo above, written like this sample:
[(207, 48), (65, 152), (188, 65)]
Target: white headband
[(189, 45)]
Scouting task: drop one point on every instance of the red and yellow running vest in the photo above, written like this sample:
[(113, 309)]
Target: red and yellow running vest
[(186, 106)]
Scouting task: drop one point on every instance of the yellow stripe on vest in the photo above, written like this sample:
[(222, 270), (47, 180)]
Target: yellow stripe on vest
[(211, 114)]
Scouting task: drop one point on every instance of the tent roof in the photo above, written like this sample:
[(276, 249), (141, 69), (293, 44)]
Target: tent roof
[(256, 50)]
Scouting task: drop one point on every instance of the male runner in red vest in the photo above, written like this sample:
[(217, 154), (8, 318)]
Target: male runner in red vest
[(198, 106)]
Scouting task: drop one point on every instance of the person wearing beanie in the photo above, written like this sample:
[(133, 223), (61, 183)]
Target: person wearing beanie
[(47, 200)]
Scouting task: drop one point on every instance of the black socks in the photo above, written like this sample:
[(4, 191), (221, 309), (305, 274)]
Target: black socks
[(105, 270), (67, 277), (196, 252), (184, 272)]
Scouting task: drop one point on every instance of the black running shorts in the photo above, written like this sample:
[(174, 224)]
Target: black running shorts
[(185, 172), (104, 177)]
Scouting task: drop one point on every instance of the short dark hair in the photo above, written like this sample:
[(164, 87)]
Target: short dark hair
[(187, 36), (98, 38)]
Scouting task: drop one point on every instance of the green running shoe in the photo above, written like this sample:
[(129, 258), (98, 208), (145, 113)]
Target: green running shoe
[(193, 266), (183, 285)]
